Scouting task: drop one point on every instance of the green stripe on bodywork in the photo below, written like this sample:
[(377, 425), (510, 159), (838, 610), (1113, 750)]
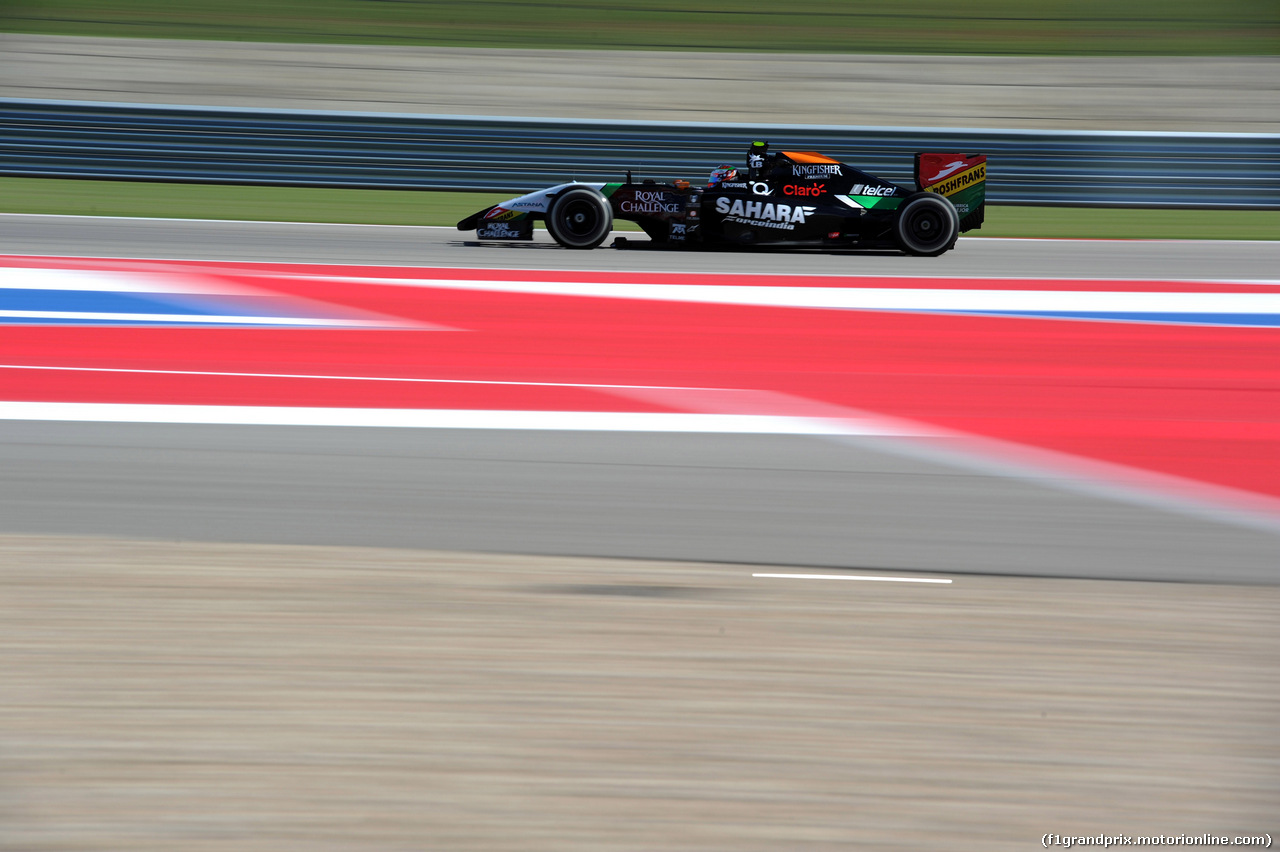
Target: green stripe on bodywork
[(875, 202), (609, 189)]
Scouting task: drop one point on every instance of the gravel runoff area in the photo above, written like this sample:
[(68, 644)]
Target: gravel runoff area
[(1087, 93), (162, 696)]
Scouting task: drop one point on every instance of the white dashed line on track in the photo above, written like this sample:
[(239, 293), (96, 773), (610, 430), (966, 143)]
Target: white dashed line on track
[(853, 577)]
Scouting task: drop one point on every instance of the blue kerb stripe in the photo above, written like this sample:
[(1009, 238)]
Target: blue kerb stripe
[(1258, 320), (140, 305), (141, 321)]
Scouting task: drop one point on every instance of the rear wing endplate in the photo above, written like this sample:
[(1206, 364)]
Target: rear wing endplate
[(961, 178)]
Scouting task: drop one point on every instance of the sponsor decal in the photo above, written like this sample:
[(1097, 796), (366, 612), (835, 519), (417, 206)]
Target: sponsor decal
[(650, 201), (505, 231), (759, 187), (755, 161), (868, 189), (812, 189), (499, 214), (763, 214), (535, 204), (960, 181), (949, 168), (816, 170), (682, 233), (735, 185)]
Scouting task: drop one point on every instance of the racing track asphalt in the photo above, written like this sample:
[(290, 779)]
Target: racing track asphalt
[(847, 503), (100, 236)]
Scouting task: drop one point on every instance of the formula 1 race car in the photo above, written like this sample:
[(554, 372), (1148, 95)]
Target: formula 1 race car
[(787, 199)]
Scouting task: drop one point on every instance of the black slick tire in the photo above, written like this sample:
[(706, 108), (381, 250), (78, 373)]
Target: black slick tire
[(927, 225), (580, 218)]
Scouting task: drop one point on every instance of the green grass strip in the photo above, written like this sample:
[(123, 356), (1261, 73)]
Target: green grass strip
[(233, 201), (408, 207), (1063, 27)]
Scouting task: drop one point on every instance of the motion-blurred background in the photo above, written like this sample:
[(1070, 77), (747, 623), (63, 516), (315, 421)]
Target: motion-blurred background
[(175, 694), (993, 27)]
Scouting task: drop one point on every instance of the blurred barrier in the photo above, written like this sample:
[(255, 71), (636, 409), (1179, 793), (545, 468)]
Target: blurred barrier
[(373, 150)]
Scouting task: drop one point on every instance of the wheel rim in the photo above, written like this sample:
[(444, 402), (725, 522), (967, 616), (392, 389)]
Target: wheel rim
[(579, 217), (926, 226)]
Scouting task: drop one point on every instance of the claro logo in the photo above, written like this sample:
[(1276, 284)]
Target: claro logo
[(814, 189)]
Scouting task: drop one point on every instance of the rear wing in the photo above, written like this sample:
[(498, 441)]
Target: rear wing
[(961, 178)]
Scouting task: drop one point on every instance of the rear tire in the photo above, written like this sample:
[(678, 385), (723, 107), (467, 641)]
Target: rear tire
[(927, 225), (580, 218)]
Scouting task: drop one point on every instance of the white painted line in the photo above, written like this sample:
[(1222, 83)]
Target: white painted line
[(417, 418), (852, 577), (864, 298), (92, 280), (256, 267)]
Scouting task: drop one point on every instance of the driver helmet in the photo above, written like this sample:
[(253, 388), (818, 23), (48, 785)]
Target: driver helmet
[(720, 174)]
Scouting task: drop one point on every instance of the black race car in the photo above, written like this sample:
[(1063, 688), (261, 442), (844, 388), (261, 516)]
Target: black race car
[(789, 199)]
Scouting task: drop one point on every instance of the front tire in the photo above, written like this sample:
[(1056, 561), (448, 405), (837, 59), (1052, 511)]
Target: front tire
[(580, 218), (927, 225)]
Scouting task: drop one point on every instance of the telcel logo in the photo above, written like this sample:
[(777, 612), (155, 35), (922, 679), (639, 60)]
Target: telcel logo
[(815, 189), (867, 189)]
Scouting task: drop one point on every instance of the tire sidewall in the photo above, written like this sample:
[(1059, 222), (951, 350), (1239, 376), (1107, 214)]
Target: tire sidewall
[(581, 200), (916, 206)]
